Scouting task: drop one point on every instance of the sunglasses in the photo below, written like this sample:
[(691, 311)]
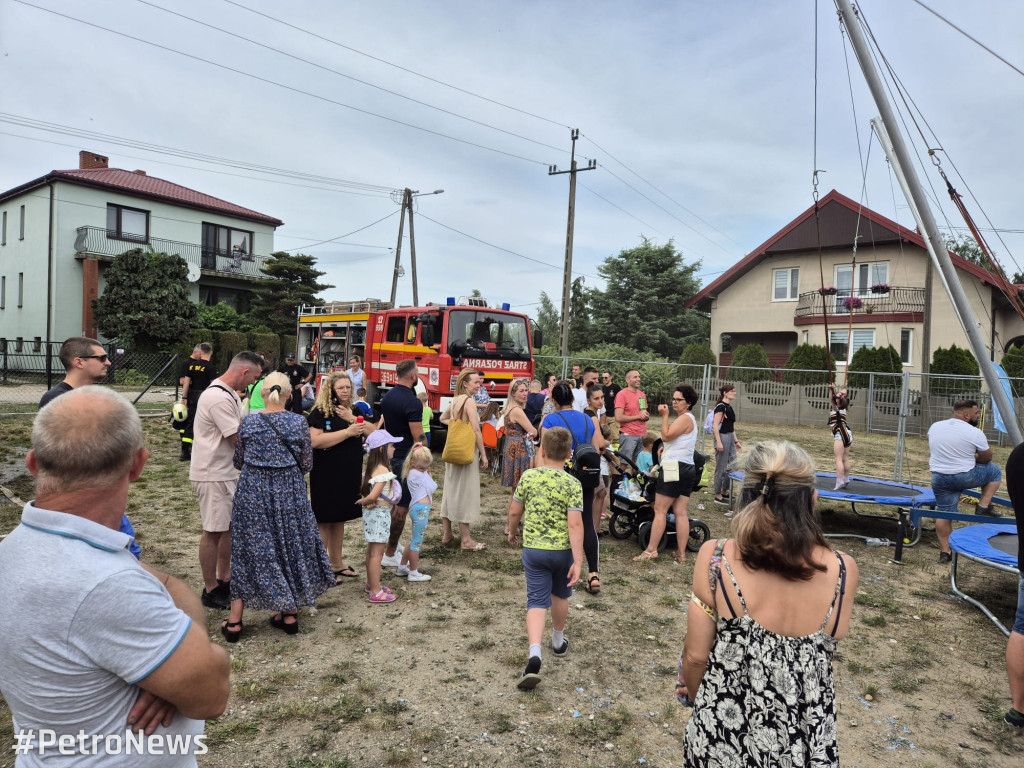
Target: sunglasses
[(101, 358)]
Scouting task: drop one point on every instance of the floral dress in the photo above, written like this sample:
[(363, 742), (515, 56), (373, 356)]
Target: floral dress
[(765, 699), (516, 459), (278, 561)]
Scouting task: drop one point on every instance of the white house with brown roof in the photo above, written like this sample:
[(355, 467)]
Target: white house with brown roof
[(888, 293), (58, 231)]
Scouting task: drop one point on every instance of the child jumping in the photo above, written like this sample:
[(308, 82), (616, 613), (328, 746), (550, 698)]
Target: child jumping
[(381, 491), (550, 502), (842, 437), (416, 474)]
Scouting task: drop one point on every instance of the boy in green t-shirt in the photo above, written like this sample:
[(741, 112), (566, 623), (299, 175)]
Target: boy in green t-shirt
[(552, 501), (428, 412)]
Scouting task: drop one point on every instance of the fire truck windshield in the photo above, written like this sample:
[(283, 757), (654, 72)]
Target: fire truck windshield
[(485, 333)]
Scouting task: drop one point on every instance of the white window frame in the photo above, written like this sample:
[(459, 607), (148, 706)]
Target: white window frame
[(868, 273), (792, 287), (3, 230), (909, 359), (21, 290), (843, 337)]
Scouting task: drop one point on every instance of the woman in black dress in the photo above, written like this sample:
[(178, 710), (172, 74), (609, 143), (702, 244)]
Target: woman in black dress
[(336, 431)]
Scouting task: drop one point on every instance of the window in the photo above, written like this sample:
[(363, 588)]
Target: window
[(37, 344), (224, 241), (21, 289), (841, 351), (906, 345), (21, 226), (127, 223), (396, 330), (3, 292), (19, 344), (3, 230), (786, 284), (868, 274)]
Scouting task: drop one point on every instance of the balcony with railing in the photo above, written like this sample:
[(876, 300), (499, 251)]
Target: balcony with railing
[(98, 241), (894, 303)]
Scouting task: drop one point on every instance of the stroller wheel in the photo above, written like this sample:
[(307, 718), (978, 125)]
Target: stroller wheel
[(621, 525), (699, 533), (643, 537)]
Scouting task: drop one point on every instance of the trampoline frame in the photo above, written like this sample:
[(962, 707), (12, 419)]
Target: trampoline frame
[(964, 596)]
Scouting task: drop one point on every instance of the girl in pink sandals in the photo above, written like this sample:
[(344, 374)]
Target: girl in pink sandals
[(381, 491)]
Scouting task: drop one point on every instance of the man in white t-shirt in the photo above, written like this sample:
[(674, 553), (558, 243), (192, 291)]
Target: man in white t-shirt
[(103, 644), (579, 395), (960, 459)]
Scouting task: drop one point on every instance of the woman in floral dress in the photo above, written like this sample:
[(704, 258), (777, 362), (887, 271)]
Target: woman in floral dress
[(764, 624), (278, 561), (518, 430)]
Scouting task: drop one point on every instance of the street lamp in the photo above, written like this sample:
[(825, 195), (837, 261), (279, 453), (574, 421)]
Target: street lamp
[(407, 196)]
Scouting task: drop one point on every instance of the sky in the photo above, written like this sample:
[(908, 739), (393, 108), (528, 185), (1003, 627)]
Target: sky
[(701, 117)]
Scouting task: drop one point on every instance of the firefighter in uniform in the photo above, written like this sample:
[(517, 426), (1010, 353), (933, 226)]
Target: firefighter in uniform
[(196, 374)]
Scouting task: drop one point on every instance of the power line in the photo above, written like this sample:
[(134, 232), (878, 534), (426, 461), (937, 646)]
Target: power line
[(613, 205), (500, 248), (354, 231), (293, 89), (970, 37), (348, 77), (397, 66)]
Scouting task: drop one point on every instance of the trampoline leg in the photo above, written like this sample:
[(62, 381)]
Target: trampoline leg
[(901, 534), (977, 604)]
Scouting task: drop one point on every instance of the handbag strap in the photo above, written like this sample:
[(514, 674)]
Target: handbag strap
[(586, 430), (270, 424)]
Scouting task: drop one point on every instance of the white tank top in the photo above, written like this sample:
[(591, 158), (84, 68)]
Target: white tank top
[(681, 449)]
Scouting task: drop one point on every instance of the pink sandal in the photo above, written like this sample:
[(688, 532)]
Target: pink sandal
[(382, 597), (383, 588)]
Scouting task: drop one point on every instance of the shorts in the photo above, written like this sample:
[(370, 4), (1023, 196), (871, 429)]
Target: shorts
[(839, 438), (396, 467), (676, 488), (547, 574), (377, 524), (1018, 623), (215, 499), (947, 488)]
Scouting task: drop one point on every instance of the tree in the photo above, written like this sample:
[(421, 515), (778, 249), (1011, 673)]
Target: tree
[(222, 317), (642, 306), (580, 327), (291, 281), (750, 363), (1013, 364), (698, 354), (954, 361), (878, 360), (145, 303), (547, 319), (966, 247), (809, 364)]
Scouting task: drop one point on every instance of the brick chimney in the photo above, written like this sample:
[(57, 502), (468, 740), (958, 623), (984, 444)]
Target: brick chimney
[(89, 160)]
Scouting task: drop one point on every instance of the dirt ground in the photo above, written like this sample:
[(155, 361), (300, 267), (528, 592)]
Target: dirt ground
[(430, 679)]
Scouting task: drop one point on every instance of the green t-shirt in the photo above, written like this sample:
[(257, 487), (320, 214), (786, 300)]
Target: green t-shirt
[(548, 495), (256, 403), (427, 413)]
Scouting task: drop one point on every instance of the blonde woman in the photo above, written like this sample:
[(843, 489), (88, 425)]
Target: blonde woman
[(519, 435), (336, 433), (769, 608), (460, 500), (278, 562)]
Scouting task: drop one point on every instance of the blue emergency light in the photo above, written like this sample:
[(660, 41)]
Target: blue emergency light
[(506, 306), (451, 301)]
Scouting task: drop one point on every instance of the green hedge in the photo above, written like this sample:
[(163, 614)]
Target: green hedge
[(698, 354), (809, 364), (226, 345), (268, 345), (749, 356), (954, 361), (1013, 364), (877, 360)]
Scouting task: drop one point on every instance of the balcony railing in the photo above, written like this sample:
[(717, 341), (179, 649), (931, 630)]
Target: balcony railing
[(97, 241), (845, 302)]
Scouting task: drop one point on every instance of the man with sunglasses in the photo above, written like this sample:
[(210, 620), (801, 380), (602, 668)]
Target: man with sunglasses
[(84, 361)]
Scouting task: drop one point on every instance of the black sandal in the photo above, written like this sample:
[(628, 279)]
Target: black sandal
[(231, 635), (277, 621), (590, 585)]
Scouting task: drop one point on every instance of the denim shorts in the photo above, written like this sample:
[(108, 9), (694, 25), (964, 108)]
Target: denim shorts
[(547, 574), (947, 488), (1018, 623)]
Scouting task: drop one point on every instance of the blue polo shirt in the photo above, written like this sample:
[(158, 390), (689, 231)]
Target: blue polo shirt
[(78, 638), (400, 407)]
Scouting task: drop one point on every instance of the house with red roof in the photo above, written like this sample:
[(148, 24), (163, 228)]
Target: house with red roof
[(59, 231), (809, 276)]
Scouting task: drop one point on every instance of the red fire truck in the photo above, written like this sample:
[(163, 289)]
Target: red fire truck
[(442, 339)]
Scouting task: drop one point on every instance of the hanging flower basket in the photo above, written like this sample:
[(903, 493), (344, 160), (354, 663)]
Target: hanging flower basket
[(880, 288), (852, 302), (830, 291)]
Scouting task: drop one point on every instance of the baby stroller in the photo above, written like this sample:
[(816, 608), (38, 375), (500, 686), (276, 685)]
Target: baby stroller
[(632, 506)]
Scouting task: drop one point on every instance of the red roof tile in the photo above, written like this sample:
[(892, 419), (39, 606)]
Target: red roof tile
[(149, 187)]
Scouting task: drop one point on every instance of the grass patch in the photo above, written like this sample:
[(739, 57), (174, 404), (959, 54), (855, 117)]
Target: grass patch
[(398, 756), (606, 724), (314, 762), (903, 682), (255, 690), (481, 644), (875, 621), (349, 631), (221, 730), (857, 668)]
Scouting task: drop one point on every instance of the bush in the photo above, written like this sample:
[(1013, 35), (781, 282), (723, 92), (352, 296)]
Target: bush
[(954, 361), (130, 377), (1013, 364), (746, 357), (878, 360), (809, 364), (266, 344), (227, 345), (698, 354)]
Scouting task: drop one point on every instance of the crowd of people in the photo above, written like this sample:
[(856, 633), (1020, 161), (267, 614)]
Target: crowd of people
[(768, 605)]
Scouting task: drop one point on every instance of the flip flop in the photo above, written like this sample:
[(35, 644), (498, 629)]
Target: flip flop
[(347, 572), (645, 556), (480, 547)]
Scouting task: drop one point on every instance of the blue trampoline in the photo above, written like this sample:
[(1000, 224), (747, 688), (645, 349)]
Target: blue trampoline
[(987, 544)]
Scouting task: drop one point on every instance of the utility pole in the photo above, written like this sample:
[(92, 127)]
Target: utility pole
[(563, 344), (929, 230), (407, 196)]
